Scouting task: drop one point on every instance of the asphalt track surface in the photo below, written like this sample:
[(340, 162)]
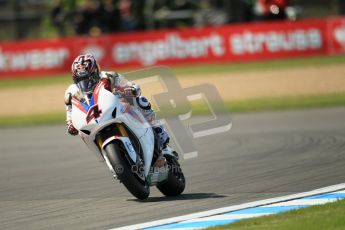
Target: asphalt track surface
[(49, 180)]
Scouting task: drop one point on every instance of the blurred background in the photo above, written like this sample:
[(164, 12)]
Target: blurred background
[(249, 49), (23, 19), (278, 66)]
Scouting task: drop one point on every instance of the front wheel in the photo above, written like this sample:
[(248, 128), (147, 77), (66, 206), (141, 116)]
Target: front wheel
[(123, 169), (176, 183)]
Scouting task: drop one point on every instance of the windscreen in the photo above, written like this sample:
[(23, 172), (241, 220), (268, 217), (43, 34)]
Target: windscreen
[(86, 85)]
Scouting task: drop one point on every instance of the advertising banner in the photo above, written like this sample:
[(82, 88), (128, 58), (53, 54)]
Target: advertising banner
[(225, 44)]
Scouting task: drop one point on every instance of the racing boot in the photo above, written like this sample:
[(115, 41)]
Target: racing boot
[(158, 128), (164, 139)]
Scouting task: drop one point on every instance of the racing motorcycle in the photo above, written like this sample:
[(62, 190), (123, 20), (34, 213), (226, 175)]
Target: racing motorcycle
[(118, 133)]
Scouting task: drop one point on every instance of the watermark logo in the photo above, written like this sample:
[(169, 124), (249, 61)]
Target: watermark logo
[(175, 108)]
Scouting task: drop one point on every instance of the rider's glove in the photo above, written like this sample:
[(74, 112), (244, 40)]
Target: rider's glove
[(132, 91), (71, 129)]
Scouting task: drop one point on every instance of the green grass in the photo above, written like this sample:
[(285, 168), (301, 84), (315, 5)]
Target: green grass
[(191, 70), (329, 216), (36, 119), (265, 104), (262, 65), (291, 102), (37, 82), (279, 103)]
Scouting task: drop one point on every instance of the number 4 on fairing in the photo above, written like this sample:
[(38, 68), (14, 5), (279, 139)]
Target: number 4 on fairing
[(93, 113)]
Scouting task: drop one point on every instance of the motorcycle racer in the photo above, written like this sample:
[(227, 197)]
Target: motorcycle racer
[(86, 74)]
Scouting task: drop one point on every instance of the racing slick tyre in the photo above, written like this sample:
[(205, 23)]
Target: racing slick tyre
[(176, 183), (116, 155)]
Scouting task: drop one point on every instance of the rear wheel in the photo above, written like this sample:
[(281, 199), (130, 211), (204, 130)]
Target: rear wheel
[(123, 169), (176, 183)]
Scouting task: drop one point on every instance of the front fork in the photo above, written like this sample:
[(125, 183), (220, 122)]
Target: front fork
[(116, 132), (119, 133)]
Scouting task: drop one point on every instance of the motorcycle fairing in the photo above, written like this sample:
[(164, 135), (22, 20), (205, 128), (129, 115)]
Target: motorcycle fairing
[(107, 103)]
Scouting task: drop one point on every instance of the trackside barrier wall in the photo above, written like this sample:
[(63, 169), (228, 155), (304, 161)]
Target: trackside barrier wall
[(230, 43)]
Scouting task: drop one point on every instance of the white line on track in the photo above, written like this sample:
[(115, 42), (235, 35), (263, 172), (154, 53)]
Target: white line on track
[(272, 201), (303, 202), (227, 217)]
